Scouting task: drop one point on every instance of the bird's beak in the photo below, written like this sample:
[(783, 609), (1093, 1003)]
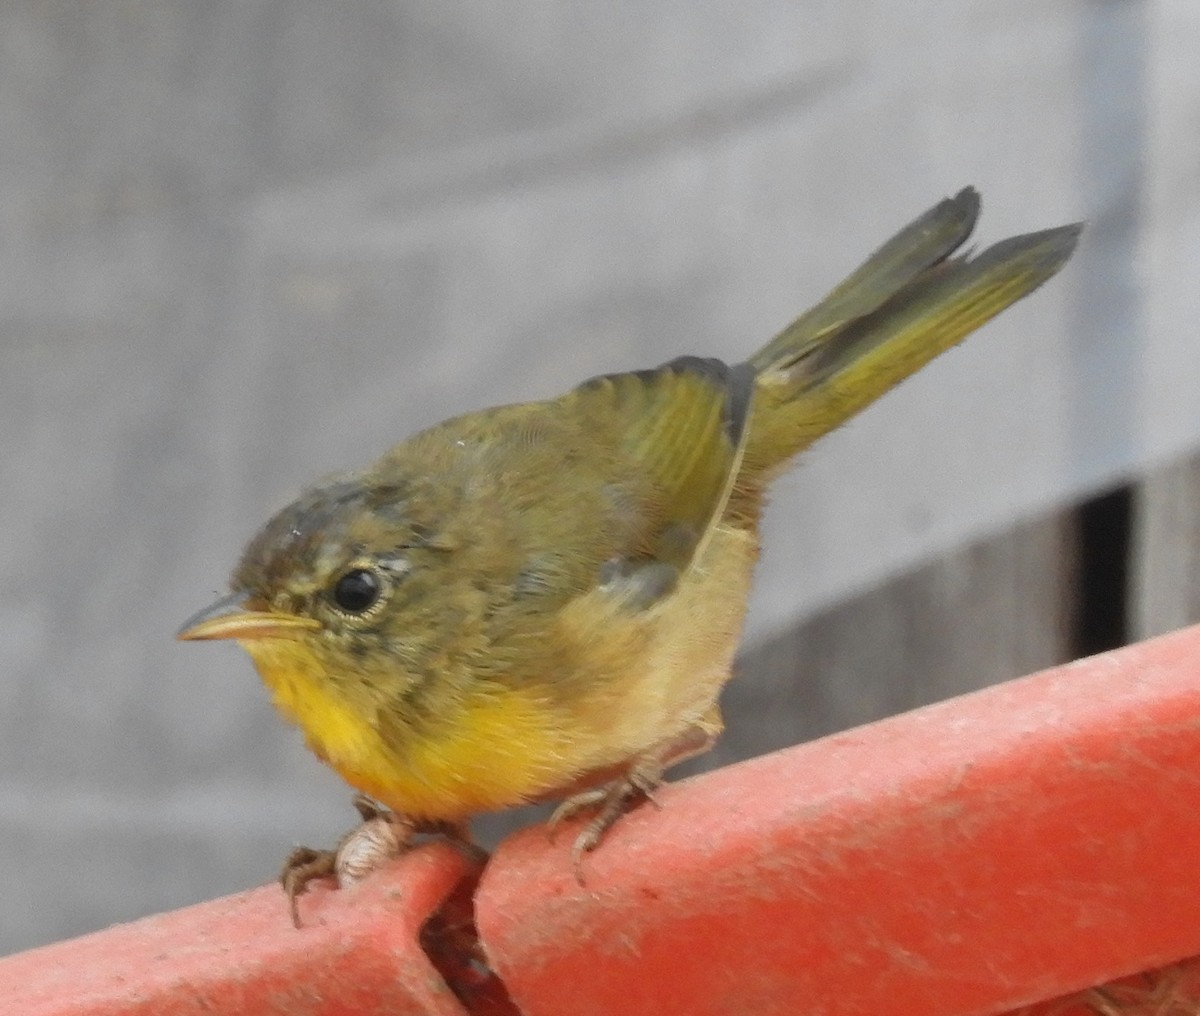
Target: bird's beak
[(229, 619)]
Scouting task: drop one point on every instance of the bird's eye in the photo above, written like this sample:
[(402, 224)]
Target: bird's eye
[(357, 591)]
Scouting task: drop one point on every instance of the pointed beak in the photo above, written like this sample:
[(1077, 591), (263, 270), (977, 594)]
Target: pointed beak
[(229, 619)]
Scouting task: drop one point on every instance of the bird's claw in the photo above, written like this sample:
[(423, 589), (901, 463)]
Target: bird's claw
[(380, 836), (304, 865), (611, 801)]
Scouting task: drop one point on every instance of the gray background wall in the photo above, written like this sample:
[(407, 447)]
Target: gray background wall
[(247, 242)]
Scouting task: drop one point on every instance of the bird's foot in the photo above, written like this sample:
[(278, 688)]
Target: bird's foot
[(382, 835), (611, 799), (610, 802), (304, 865)]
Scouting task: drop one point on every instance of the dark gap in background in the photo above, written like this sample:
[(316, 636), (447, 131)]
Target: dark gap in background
[(1102, 581)]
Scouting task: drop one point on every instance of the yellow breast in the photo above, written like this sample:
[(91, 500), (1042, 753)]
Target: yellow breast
[(501, 748)]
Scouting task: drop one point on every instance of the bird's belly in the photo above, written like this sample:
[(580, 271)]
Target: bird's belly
[(500, 750), (641, 700)]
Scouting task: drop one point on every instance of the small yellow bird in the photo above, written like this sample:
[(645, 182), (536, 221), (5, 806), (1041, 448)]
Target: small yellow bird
[(542, 601)]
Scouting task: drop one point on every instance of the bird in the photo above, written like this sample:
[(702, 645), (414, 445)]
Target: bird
[(542, 601)]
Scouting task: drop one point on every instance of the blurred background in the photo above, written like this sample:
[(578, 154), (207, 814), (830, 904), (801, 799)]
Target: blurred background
[(245, 243)]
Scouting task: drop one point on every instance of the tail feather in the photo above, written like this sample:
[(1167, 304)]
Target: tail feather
[(909, 302), (923, 243)]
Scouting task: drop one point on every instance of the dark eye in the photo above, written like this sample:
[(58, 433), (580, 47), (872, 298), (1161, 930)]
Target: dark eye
[(356, 591)]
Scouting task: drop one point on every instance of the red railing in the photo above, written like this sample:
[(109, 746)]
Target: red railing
[(1005, 849)]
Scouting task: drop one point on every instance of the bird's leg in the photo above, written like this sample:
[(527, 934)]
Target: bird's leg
[(385, 834), (382, 835), (640, 780)]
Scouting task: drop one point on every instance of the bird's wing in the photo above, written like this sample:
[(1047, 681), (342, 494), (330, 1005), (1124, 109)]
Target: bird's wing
[(677, 433)]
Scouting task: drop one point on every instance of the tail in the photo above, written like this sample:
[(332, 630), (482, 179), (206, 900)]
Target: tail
[(911, 300)]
